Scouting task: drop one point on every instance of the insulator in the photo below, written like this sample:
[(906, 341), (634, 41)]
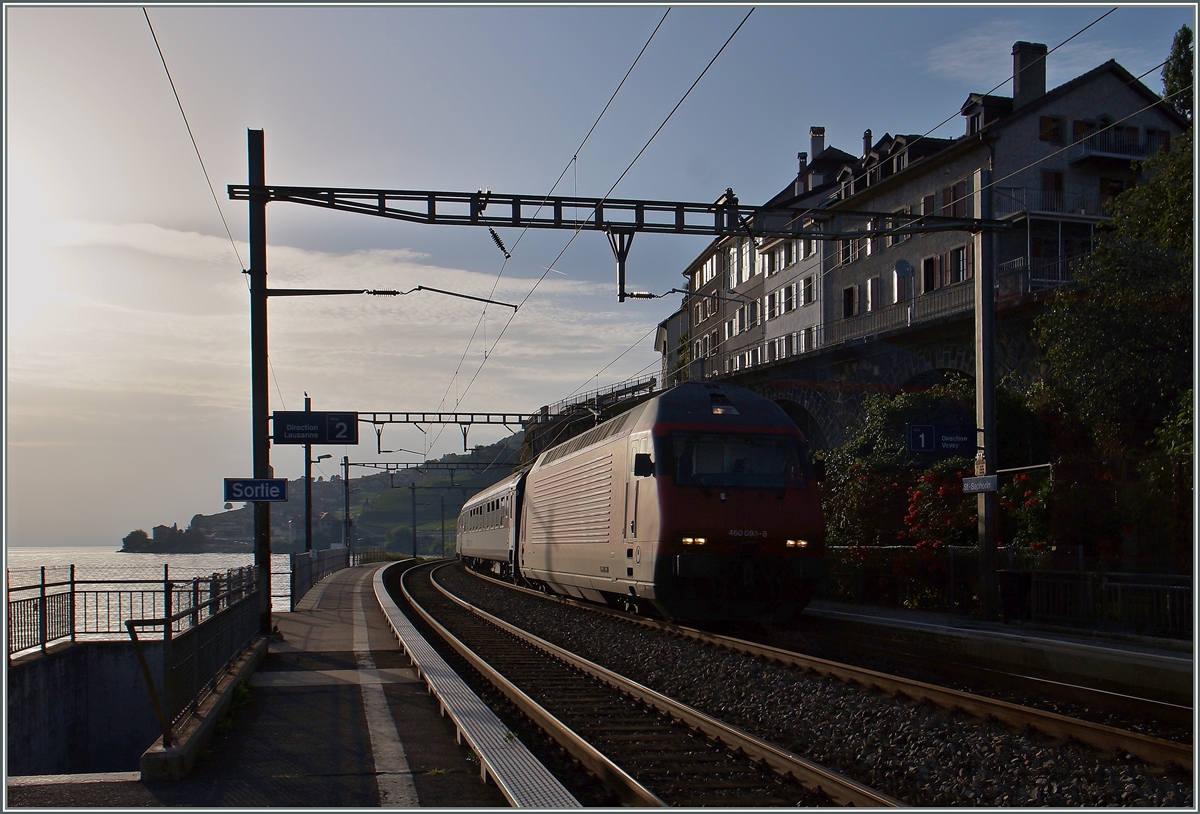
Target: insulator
[(499, 243)]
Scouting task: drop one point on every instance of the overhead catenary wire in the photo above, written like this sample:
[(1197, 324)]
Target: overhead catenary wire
[(507, 254), (575, 234), (192, 136)]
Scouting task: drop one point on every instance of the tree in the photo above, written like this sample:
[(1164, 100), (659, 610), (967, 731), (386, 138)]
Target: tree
[(1177, 74), (1118, 343)]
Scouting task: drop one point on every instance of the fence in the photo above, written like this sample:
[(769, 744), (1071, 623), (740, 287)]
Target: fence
[(311, 567), (1150, 603), (53, 603), (212, 633), (948, 579)]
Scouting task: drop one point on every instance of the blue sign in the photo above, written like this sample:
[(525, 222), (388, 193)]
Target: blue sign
[(257, 490), (922, 437), (292, 427), (949, 439)]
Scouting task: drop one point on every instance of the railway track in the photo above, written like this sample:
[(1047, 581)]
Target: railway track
[(1156, 752), (649, 749)]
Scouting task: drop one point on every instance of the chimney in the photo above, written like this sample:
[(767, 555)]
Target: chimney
[(866, 142), (803, 159), (817, 136), (1029, 72)]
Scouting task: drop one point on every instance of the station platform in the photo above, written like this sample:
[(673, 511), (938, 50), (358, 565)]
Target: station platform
[(336, 717), (1144, 666)]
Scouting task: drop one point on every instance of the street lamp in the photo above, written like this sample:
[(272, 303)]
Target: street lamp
[(308, 462)]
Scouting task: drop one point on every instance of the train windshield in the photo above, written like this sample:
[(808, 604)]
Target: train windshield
[(756, 461)]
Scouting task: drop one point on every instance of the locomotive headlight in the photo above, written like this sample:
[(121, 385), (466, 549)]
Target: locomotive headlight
[(694, 540), (797, 543)]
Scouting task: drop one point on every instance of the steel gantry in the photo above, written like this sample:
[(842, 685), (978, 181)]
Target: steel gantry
[(619, 218)]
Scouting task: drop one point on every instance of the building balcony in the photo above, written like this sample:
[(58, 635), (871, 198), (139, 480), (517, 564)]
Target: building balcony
[(1025, 275), (952, 299), (1111, 147), (1021, 200)]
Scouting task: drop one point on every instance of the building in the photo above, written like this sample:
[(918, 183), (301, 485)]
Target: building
[(1043, 161)]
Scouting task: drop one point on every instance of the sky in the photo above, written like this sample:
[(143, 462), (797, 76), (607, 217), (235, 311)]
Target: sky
[(127, 352)]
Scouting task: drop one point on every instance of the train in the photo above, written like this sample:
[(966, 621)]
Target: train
[(699, 504)]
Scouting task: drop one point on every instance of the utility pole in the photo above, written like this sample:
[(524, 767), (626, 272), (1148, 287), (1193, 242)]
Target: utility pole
[(346, 493), (412, 487), (985, 397), (260, 408), (442, 513), (307, 484)]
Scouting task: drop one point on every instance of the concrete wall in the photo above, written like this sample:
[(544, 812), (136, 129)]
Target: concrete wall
[(81, 708)]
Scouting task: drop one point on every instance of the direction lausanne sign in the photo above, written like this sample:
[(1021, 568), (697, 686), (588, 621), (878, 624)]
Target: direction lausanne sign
[(255, 489), (314, 428)]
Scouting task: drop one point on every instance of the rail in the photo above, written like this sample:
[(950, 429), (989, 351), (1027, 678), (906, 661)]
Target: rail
[(217, 631)]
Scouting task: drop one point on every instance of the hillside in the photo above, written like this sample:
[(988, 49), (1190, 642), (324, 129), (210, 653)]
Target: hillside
[(381, 509)]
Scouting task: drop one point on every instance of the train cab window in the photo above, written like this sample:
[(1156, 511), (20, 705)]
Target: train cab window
[(756, 461)]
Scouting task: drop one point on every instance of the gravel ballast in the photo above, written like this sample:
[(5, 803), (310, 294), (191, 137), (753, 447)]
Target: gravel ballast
[(916, 753)]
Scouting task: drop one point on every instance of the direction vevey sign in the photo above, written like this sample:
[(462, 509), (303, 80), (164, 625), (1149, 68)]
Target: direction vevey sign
[(268, 490), (290, 427), (954, 439)]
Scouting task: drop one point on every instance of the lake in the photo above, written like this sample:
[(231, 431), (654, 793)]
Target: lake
[(97, 562)]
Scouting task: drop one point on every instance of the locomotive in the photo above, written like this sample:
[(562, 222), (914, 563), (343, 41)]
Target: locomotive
[(699, 504)]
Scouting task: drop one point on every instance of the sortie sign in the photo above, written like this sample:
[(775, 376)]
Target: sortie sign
[(270, 490)]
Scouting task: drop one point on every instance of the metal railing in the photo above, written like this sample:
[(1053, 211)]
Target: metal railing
[(598, 396), (311, 567), (952, 299), (52, 603), (1025, 275), (1115, 143), (1145, 603), (948, 579), (1015, 200), (214, 632)]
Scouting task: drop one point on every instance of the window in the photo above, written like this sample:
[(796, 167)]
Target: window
[(960, 262), (901, 160), (900, 286), (789, 298), (974, 123), (1081, 129), (807, 294), (896, 223), (930, 274), (810, 338), (844, 251), (849, 301), (873, 294), (698, 314), (740, 325), (773, 300), (1052, 191), (954, 200), (1050, 129), (730, 329), (929, 205), (712, 343), (1112, 186), (789, 252), (767, 263)]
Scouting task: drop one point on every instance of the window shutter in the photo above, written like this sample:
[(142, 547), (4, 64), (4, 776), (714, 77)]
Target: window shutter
[(969, 261)]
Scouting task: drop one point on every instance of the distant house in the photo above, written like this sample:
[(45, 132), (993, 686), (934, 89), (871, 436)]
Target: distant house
[(160, 534)]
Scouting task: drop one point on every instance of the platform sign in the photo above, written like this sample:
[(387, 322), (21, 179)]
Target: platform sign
[(256, 490), (922, 437), (947, 439), (957, 438), (987, 483), (291, 427)]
